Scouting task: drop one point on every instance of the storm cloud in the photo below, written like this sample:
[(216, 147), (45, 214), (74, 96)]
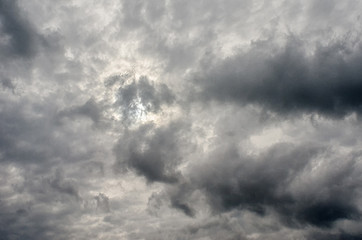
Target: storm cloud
[(276, 181), (322, 78), (180, 119), (153, 152), (22, 37)]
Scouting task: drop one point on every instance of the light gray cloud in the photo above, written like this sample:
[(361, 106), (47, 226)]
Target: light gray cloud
[(181, 119)]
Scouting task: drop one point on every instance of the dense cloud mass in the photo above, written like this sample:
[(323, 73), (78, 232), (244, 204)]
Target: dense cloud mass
[(19, 37), (288, 79), (180, 119), (277, 181), (153, 152)]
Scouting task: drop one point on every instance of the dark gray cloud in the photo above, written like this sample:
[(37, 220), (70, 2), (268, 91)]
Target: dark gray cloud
[(8, 84), (254, 183), (22, 38), (17, 225), (337, 236), (279, 181), (17, 127), (90, 109), (153, 152), (35, 210), (34, 137), (63, 186), (102, 202), (289, 79)]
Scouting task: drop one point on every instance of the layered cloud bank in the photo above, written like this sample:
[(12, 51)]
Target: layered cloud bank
[(180, 119)]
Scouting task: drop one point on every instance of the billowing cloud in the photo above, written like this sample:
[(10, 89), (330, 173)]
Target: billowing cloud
[(180, 119), (277, 181), (154, 152), (322, 78)]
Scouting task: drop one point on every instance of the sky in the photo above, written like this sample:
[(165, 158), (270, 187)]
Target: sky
[(180, 119)]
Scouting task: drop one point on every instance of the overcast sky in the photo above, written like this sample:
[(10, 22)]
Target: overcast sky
[(180, 119)]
